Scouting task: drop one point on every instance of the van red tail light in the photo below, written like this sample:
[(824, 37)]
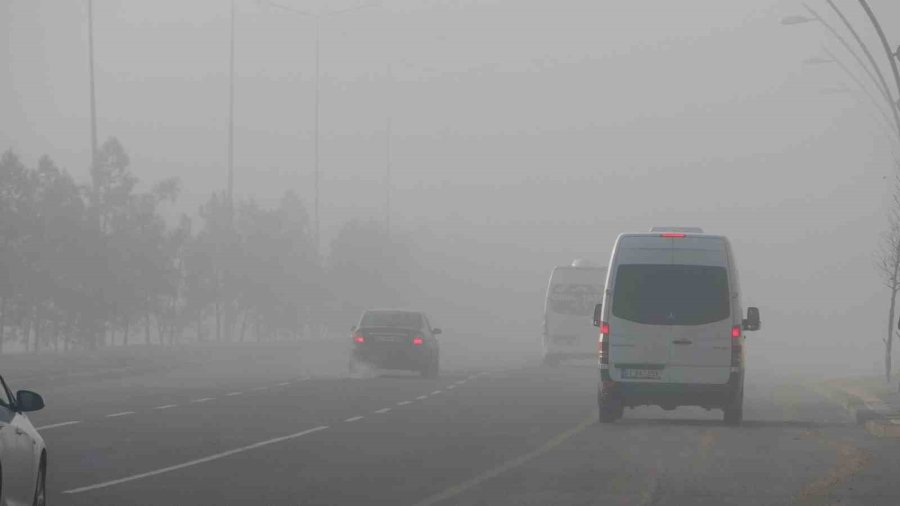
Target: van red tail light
[(603, 344), (359, 338), (737, 347), (417, 341)]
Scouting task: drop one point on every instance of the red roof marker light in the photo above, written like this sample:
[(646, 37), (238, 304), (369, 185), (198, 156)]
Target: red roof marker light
[(672, 235)]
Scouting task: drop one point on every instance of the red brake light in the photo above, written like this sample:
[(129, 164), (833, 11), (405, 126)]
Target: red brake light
[(737, 348), (603, 344), (359, 339), (673, 235), (418, 341)]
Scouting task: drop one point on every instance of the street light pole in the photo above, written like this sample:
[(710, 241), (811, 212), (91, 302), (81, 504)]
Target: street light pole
[(388, 154), (879, 83), (93, 98), (231, 123), (884, 43), (316, 134), (865, 48), (316, 142)]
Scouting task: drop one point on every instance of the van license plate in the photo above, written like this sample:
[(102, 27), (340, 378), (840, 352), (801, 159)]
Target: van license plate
[(648, 374)]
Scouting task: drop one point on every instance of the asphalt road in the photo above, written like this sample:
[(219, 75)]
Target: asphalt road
[(511, 435)]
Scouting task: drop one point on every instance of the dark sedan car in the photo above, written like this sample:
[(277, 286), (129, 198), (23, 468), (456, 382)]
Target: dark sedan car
[(396, 339)]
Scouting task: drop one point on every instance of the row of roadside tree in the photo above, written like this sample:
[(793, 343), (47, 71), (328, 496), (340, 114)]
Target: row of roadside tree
[(89, 264)]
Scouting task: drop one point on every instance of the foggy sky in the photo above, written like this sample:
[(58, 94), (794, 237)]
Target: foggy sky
[(528, 132)]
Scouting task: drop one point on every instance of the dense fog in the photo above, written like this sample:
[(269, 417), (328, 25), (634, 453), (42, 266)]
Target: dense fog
[(522, 135)]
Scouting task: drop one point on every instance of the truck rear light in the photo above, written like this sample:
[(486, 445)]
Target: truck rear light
[(603, 344), (673, 235), (417, 341)]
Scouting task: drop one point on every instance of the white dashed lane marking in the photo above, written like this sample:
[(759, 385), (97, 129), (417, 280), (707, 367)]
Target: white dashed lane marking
[(123, 413), (232, 394), (421, 397), (403, 403), (55, 425), (354, 419), (436, 392), (451, 387), (190, 463), (382, 410), (167, 406), (286, 383), (205, 399)]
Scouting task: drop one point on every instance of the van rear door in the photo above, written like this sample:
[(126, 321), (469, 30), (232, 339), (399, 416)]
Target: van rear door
[(700, 350), (670, 310), (639, 348)]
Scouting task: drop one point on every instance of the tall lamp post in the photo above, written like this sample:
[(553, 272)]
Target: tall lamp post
[(93, 98), (879, 82), (317, 17)]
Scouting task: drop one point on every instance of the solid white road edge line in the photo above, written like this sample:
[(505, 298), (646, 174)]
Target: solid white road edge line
[(195, 462), (55, 425)]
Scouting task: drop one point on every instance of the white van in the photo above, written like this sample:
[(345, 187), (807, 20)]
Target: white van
[(671, 325), (572, 293)]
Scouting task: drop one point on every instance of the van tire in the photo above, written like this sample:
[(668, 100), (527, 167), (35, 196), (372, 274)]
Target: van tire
[(734, 413), (610, 408)]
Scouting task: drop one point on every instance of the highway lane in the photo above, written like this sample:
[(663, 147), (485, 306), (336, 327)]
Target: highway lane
[(474, 436)]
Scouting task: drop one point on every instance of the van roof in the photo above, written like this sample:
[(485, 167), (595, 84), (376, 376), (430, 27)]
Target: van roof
[(687, 230), (673, 234)]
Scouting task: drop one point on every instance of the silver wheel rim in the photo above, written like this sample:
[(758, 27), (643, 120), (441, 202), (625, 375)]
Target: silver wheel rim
[(40, 500)]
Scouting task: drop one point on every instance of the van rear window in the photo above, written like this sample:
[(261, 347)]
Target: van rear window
[(671, 294), (574, 299)]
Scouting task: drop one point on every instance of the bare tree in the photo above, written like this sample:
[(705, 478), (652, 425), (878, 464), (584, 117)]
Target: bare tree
[(888, 265)]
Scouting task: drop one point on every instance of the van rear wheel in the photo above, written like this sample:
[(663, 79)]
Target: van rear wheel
[(610, 408), (734, 412)]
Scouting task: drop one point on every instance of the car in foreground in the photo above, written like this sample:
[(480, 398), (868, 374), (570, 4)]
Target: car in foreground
[(23, 455), (395, 339)]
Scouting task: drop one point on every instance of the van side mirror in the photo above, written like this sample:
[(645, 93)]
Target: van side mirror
[(598, 314), (437, 331), (752, 321)]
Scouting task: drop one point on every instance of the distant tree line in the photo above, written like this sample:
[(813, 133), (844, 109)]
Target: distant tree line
[(85, 265)]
